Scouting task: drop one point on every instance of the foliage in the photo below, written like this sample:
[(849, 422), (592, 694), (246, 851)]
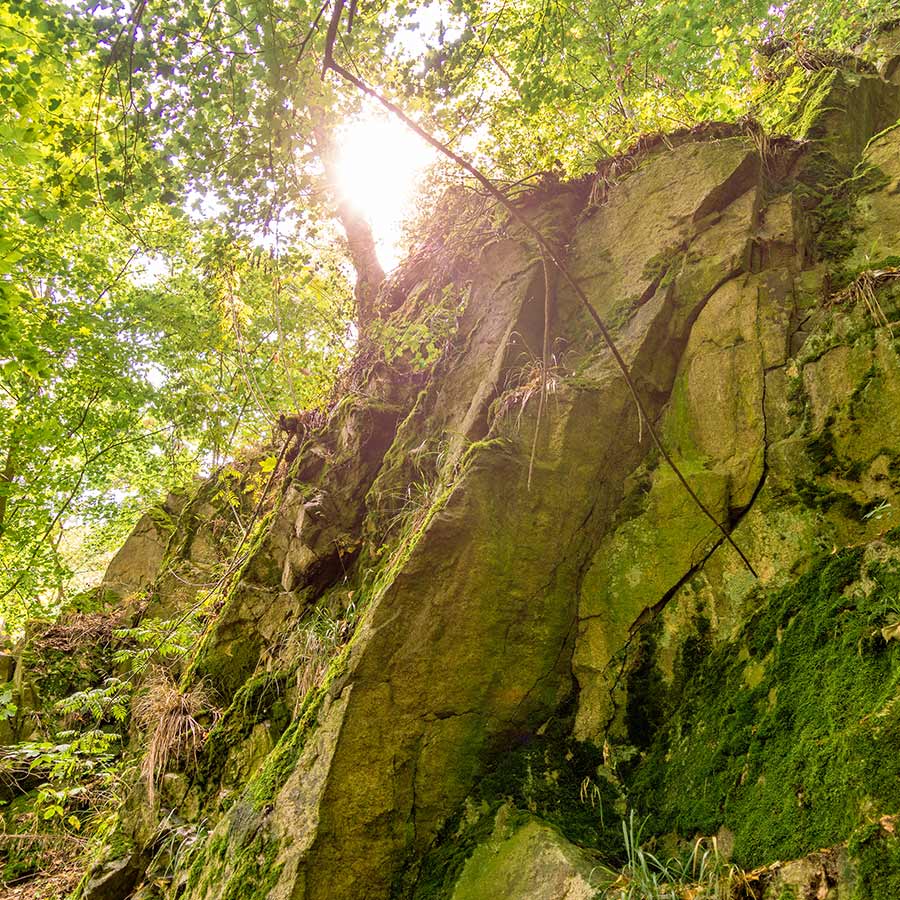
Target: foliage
[(569, 83), (108, 702), (417, 343), (166, 282), (768, 734), (80, 776), (235, 91), (47, 829), (137, 344), (160, 640), (8, 707), (702, 875)]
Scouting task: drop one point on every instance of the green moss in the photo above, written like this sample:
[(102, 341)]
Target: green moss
[(442, 865), (836, 220), (804, 119), (821, 451), (255, 870), (858, 397), (835, 230), (832, 116), (818, 496), (547, 774), (691, 654), (636, 498), (227, 667), (664, 265), (790, 763), (259, 700), (224, 666), (499, 445), (120, 843), (283, 759), (646, 706), (876, 857), (544, 774), (660, 271), (59, 673), (250, 857), (164, 523)]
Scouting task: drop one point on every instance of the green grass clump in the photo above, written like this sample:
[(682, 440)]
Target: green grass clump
[(702, 873)]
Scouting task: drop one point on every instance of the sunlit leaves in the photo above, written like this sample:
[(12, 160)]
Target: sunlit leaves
[(122, 370), (164, 291), (546, 83)]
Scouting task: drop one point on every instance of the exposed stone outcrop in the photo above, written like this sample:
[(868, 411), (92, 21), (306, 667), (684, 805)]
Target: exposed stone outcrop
[(527, 860), (440, 681), (137, 564)]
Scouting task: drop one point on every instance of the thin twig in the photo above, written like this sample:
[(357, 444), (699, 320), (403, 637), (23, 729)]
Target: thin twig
[(545, 361), (543, 243)]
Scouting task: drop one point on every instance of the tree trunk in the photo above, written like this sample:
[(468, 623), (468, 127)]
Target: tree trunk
[(6, 477), (360, 241)]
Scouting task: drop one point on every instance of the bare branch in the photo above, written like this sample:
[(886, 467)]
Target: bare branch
[(546, 248)]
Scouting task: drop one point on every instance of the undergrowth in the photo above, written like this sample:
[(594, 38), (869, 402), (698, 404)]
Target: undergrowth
[(701, 874), (171, 718)]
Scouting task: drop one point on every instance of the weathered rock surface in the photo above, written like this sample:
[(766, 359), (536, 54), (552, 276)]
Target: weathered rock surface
[(138, 562), (112, 879), (527, 861), (426, 629)]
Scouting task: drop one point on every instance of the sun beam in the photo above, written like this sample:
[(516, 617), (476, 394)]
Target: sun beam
[(380, 165)]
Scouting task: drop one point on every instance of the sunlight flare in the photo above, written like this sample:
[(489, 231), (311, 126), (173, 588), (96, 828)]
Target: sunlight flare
[(380, 167)]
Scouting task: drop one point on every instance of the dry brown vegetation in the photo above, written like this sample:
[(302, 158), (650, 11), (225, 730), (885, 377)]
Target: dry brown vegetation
[(171, 717)]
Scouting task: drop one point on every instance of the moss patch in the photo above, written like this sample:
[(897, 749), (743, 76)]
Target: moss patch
[(646, 691), (283, 759), (255, 872), (259, 700), (876, 857), (442, 865), (548, 775), (791, 758)]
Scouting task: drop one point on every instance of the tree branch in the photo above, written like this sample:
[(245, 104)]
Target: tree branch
[(546, 248), (6, 477)]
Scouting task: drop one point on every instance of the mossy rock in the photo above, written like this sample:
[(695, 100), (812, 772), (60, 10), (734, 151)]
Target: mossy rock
[(782, 735)]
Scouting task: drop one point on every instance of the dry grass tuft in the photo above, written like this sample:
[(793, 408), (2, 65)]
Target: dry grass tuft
[(171, 718), (74, 631), (863, 289), (524, 384), (55, 863)]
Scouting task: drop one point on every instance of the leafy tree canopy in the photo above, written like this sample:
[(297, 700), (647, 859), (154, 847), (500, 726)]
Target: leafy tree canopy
[(137, 343), (169, 275)]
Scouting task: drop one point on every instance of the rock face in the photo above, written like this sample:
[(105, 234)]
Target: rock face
[(447, 670), (527, 861), (138, 562)]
